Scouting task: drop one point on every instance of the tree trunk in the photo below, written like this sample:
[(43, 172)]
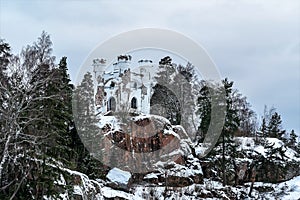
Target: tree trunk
[(4, 157), (252, 181), (223, 160)]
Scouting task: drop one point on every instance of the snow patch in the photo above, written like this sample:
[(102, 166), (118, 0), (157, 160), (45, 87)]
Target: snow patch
[(150, 176), (118, 176), (111, 193)]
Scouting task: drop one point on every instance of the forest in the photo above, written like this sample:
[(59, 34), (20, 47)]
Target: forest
[(42, 156)]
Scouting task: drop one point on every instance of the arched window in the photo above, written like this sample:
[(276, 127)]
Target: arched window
[(134, 103), (111, 104)]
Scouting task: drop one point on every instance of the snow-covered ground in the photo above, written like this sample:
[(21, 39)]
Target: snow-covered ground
[(289, 190), (195, 191), (209, 189), (213, 190)]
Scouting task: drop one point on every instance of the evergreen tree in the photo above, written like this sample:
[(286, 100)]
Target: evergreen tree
[(23, 116), (204, 110), (5, 137), (273, 161), (86, 127), (164, 101), (60, 112), (274, 128), (226, 147), (297, 148), (5, 56), (36, 123), (292, 141), (231, 125), (49, 114), (85, 112), (264, 127)]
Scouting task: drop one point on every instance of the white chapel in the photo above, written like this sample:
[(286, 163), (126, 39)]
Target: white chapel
[(124, 86)]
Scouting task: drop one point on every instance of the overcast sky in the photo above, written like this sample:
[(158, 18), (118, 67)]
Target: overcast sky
[(254, 43)]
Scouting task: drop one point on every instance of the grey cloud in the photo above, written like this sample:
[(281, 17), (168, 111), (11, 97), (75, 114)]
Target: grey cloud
[(254, 43)]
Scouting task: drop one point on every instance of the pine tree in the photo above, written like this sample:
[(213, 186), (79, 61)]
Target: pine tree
[(231, 125), (225, 146), (164, 101), (274, 127), (85, 119), (36, 123), (85, 112), (292, 141), (204, 110)]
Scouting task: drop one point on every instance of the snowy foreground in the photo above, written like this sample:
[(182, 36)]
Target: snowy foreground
[(292, 188), (106, 189), (98, 190)]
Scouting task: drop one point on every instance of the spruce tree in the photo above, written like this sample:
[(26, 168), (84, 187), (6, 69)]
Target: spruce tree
[(292, 141), (5, 136), (204, 110), (231, 125), (274, 128), (48, 105), (5, 56), (60, 112), (298, 148), (274, 161), (226, 147), (164, 101), (264, 127), (87, 129), (24, 117)]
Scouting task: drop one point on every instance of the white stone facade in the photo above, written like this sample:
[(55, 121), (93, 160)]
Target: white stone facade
[(125, 86)]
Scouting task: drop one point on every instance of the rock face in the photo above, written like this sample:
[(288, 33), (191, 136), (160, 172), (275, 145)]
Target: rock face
[(256, 162), (150, 143)]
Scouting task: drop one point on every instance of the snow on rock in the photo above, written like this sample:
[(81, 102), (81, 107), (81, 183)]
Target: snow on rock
[(111, 193), (112, 121), (183, 171), (201, 149), (286, 190), (277, 143), (77, 190), (118, 176), (151, 176), (247, 143), (85, 188)]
